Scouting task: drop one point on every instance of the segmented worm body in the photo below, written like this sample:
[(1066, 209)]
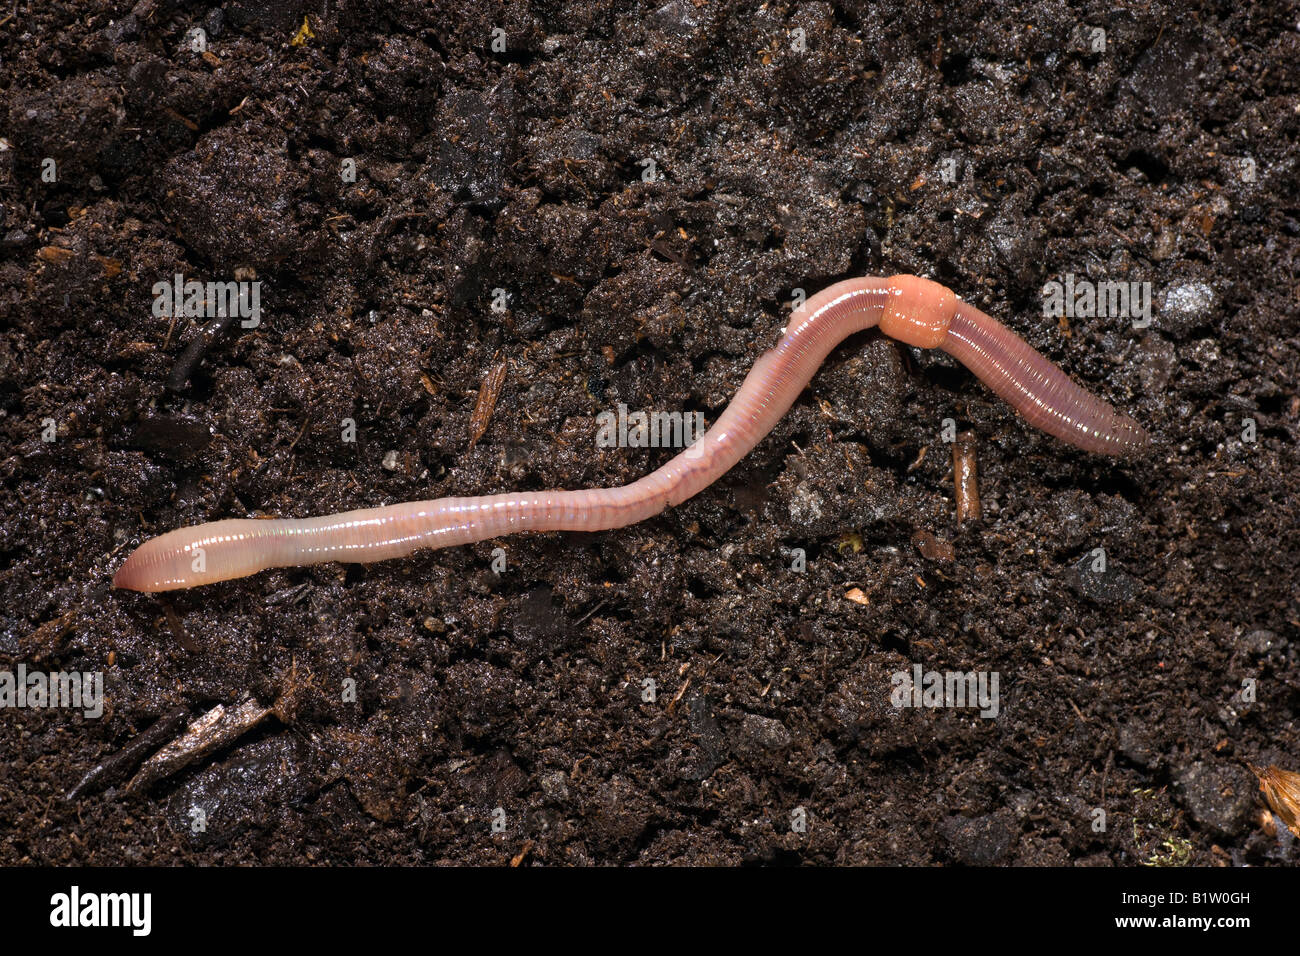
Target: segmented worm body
[(911, 309)]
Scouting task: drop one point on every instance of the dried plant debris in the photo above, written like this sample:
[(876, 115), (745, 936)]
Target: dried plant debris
[(1281, 789), (215, 729), (114, 767), (487, 402)]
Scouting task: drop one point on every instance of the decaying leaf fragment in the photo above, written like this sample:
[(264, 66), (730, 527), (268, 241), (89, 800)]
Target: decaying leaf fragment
[(1281, 790)]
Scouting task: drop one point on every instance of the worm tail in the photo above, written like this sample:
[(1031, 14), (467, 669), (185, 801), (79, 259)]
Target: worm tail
[(1036, 388)]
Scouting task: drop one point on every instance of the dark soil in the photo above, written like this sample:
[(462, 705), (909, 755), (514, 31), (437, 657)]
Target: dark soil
[(1169, 157)]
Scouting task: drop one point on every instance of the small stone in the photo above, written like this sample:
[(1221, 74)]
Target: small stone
[(1187, 307), (119, 31), (764, 732), (1259, 642), (1111, 586), (979, 841), (555, 785), (1219, 798), (1135, 744)]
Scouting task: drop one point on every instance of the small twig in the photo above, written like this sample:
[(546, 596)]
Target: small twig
[(965, 478), (114, 767)]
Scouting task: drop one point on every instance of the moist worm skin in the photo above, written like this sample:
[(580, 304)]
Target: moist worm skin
[(911, 309)]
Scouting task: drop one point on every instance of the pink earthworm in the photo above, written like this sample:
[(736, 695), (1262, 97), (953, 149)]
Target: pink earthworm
[(911, 309)]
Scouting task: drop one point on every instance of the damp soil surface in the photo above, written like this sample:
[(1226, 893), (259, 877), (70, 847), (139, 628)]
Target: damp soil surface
[(619, 202)]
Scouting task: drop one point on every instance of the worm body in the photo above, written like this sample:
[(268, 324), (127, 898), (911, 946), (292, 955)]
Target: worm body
[(911, 309)]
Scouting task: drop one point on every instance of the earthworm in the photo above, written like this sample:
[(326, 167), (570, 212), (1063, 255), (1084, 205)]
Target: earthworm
[(910, 309)]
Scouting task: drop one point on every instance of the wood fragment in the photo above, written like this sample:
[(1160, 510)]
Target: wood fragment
[(56, 254), (185, 121), (112, 267), (116, 766), (487, 402), (965, 478), (518, 858), (215, 729), (672, 704), (933, 547), (177, 628)]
